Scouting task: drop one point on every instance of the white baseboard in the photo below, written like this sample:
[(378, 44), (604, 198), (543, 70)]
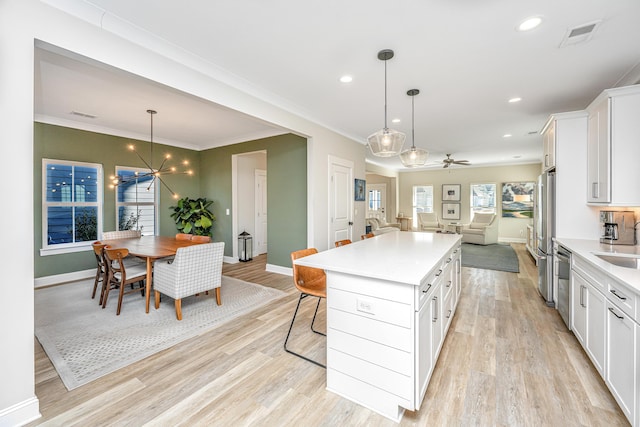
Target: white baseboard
[(287, 271), (21, 413), (512, 240), (230, 260), (65, 277)]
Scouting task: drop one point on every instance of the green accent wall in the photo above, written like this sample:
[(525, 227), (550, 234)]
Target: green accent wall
[(286, 193), (62, 143), (286, 188)]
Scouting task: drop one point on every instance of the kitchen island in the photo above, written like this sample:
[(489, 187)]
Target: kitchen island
[(390, 301)]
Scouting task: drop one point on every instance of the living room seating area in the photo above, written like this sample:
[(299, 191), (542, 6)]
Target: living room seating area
[(483, 229)]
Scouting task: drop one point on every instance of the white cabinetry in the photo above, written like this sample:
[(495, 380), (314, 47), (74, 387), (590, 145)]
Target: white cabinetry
[(604, 321), (549, 146), (613, 148)]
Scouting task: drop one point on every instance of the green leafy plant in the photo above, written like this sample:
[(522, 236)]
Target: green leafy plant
[(192, 216)]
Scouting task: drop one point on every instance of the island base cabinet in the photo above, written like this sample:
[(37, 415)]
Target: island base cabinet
[(622, 360)]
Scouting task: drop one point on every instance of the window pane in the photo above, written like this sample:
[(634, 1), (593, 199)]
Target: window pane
[(422, 201), (85, 184), (141, 190), (60, 227), (58, 182), (375, 197), (141, 217), (86, 223)]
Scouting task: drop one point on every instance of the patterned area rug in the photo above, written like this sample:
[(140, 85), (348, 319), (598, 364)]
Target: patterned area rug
[(497, 256), (85, 342)]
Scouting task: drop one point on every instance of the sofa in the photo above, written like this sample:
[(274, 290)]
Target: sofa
[(483, 229), (379, 226)]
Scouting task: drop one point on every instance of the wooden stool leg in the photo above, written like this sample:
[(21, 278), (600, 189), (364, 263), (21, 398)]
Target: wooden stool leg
[(218, 300), (179, 309), (157, 299)]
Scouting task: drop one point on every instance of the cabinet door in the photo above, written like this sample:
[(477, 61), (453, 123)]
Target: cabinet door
[(549, 149), (596, 327), (599, 155), (436, 322), (424, 356), (578, 307), (622, 356)]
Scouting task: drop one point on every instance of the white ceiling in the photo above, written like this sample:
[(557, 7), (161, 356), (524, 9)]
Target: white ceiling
[(465, 57)]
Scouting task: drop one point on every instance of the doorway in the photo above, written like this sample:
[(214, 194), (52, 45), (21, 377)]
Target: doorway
[(377, 201), (341, 188)]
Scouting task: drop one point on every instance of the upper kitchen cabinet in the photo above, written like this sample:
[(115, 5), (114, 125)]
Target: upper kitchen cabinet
[(549, 145), (613, 148)]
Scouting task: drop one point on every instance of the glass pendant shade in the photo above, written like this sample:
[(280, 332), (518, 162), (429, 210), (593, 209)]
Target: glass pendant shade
[(386, 142), (414, 157)]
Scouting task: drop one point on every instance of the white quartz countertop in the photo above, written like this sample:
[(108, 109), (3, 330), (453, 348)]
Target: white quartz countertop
[(402, 256), (587, 249)]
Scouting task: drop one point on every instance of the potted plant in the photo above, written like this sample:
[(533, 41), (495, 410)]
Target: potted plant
[(192, 216)]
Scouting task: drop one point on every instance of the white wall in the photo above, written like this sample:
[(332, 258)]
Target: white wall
[(22, 22), (510, 229)]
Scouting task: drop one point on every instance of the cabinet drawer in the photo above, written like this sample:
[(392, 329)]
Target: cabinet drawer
[(597, 278), (372, 330), (428, 286), (623, 297), (371, 307)]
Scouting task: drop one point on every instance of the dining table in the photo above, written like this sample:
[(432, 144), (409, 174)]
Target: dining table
[(150, 248)]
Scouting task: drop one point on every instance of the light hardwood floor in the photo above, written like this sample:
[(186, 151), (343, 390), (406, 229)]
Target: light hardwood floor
[(508, 360)]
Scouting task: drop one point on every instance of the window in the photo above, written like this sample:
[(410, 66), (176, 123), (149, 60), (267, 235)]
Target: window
[(71, 203), (136, 201), (422, 201), (375, 197), (483, 198)]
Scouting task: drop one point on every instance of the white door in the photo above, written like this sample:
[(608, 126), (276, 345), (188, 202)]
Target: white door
[(340, 199), (260, 246), (377, 201)]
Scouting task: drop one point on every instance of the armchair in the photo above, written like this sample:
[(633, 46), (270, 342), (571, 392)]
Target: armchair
[(379, 226), (428, 221), (483, 229), (195, 269)]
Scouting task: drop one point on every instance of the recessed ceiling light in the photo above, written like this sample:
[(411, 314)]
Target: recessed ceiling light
[(516, 157), (506, 135), (346, 79), (515, 99), (395, 121), (530, 23)]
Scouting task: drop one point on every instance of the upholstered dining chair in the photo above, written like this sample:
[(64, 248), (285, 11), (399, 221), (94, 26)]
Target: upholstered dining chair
[(343, 242), (367, 236), (121, 234), (119, 275), (201, 239), (183, 236), (311, 282), (194, 269)]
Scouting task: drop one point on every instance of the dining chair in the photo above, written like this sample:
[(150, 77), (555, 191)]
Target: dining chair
[(201, 239), (194, 269), (101, 271), (120, 275), (183, 236), (342, 242), (121, 234), (311, 282), (367, 236)]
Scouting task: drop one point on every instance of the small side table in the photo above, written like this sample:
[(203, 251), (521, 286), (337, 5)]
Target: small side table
[(405, 222), (454, 227)]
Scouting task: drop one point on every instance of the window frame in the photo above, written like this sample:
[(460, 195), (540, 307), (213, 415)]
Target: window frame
[(485, 209), (156, 198), (62, 248), (414, 206)]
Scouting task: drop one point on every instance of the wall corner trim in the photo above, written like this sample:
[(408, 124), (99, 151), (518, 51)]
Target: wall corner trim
[(21, 413)]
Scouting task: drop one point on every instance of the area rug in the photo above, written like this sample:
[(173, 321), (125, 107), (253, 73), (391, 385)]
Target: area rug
[(85, 342), (497, 256)]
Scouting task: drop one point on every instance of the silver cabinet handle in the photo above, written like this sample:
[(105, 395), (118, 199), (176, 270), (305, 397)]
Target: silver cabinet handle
[(435, 309), (546, 160), (427, 290), (595, 190), (439, 272), (620, 296), (582, 288), (615, 314), (449, 314), (449, 284)]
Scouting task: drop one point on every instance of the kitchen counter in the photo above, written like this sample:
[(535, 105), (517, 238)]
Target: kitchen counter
[(404, 257), (587, 249)]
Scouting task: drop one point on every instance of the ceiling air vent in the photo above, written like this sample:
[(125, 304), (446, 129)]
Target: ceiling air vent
[(580, 34)]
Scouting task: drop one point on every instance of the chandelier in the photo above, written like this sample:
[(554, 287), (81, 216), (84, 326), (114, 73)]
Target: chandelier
[(155, 174), (386, 142), (414, 157)]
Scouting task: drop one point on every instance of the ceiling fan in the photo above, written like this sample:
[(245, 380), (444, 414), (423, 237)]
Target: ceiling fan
[(449, 161)]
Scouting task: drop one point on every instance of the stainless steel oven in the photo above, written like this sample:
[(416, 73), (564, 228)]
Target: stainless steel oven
[(562, 279)]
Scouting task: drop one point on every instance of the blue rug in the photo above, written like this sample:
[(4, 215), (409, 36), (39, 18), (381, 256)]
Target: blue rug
[(497, 256)]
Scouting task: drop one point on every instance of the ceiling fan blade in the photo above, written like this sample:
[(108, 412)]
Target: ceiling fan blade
[(461, 162), (446, 165)]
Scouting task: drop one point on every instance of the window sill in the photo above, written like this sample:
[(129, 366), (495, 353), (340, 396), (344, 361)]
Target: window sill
[(67, 250)]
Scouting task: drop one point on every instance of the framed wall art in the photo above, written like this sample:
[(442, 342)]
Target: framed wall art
[(451, 192), (360, 190), (517, 199), (451, 211)]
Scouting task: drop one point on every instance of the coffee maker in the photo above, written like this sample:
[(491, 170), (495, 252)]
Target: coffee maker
[(617, 227)]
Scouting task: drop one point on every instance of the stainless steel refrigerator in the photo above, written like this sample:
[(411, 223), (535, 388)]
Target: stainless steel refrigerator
[(545, 228)]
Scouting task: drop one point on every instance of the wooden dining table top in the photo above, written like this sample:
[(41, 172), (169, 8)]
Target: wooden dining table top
[(150, 246)]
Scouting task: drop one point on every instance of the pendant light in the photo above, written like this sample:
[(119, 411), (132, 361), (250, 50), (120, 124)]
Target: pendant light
[(386, 142), (414, 157)]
